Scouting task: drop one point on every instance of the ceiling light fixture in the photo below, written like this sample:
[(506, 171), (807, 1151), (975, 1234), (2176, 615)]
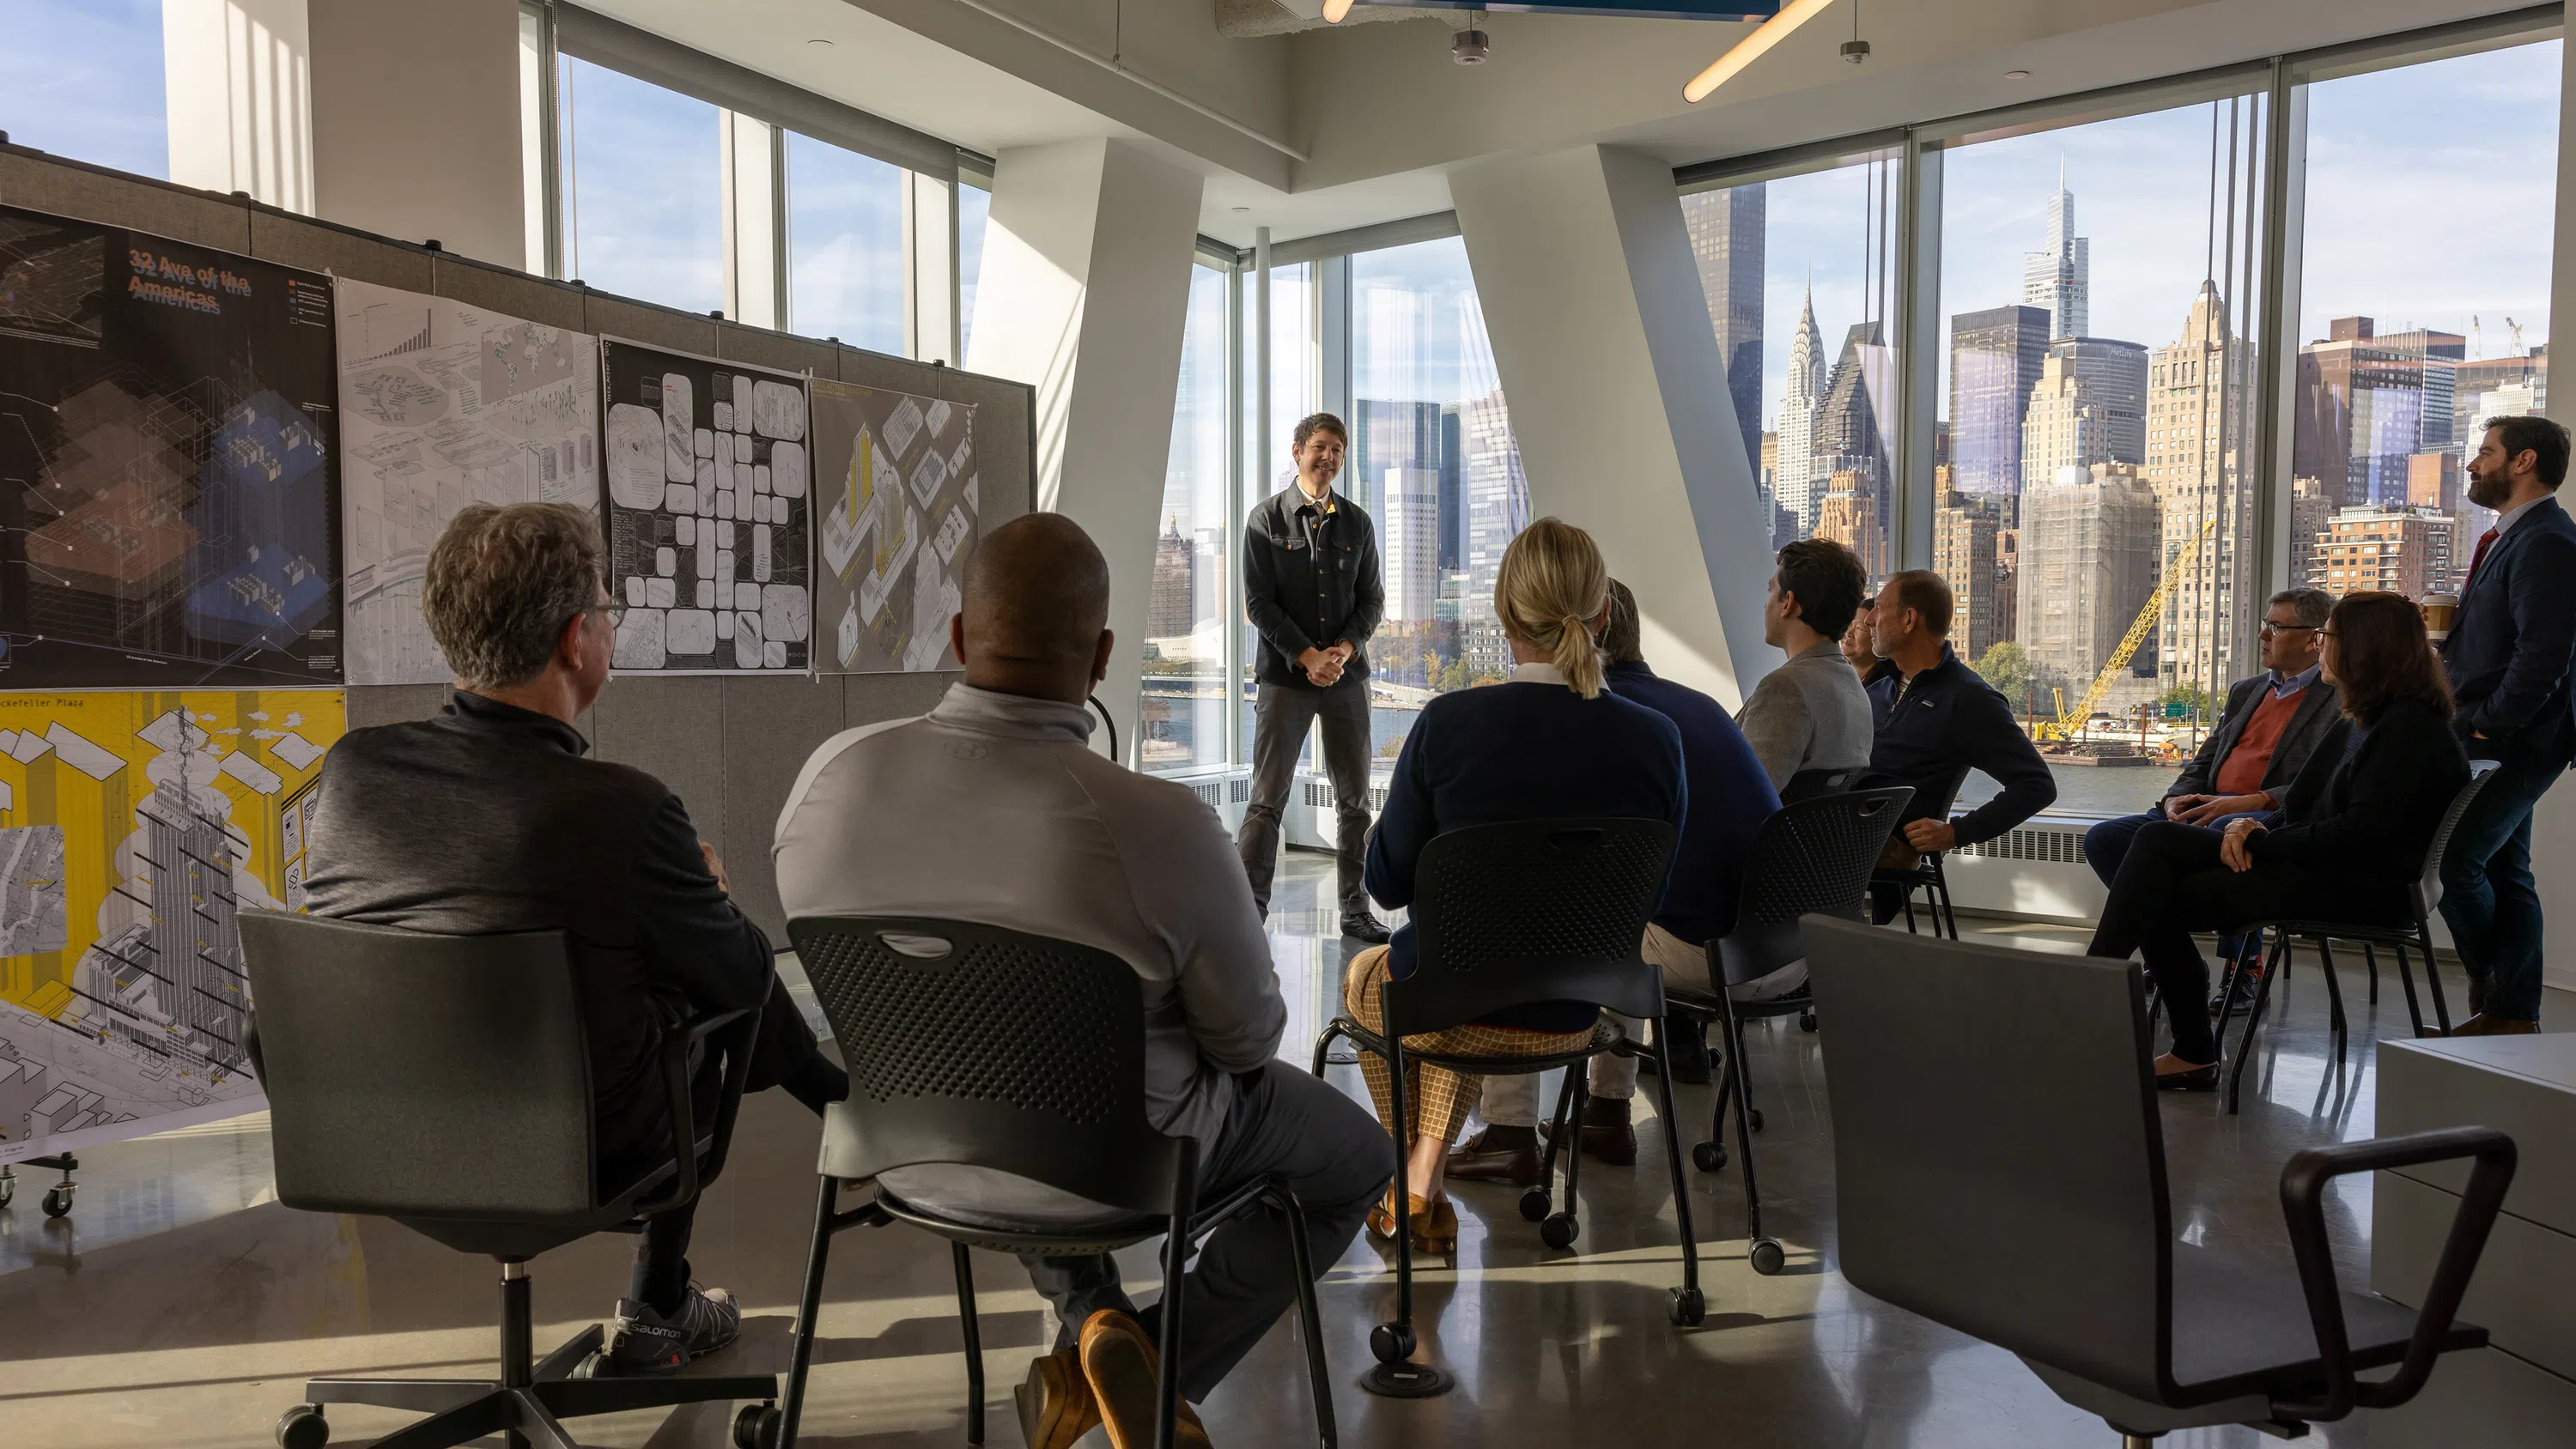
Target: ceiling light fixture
[(1752, 47), (1336, 10), (2016, 75)]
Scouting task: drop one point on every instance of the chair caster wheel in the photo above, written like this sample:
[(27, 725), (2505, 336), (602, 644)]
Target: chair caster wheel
[(302, 1428), (1807, 1019), (1391, 1342), (1768, 1256), (758, 1426), (1753, 1119), (1689, 1307), (58, 1202), (1709, 1157), (1560, 1231), (1534, 1204)]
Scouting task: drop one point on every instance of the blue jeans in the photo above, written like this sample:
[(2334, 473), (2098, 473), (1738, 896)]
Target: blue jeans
[(2107, 844), (2488, 897)]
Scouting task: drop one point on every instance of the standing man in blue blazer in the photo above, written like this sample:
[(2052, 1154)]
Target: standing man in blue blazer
[(2508, 658)]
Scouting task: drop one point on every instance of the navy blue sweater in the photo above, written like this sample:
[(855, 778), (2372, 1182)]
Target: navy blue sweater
[(1507, 752), (1730, 797), (1944, 722)]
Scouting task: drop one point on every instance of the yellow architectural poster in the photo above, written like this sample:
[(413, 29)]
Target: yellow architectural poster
[(133, 826)]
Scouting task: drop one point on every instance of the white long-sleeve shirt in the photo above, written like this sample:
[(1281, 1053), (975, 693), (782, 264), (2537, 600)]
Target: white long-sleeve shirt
[(992, 808)]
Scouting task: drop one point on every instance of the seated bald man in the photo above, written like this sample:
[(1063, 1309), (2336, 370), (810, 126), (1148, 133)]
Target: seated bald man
[(993, 808)]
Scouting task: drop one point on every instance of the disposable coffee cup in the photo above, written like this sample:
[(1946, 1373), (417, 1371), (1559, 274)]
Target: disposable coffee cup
[(2439, 610)]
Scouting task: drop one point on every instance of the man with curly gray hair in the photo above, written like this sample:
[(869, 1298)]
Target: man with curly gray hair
[(489, 817)]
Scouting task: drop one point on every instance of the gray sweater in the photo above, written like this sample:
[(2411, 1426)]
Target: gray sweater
[(1808, 714), (992, 808)]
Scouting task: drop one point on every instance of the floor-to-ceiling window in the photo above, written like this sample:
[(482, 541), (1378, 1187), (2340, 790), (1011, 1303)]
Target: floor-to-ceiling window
[(2095, 489), (1799, 273), (2423, 308), (845, 267), (974, 209), (1296, 390), (643, 188), (83, 78), (1183, 709)]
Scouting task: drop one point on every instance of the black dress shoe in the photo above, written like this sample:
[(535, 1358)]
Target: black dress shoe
[(2198, 1079), (2222, 1003), (1498, 1154), (1365, 927), (1686, 1045)]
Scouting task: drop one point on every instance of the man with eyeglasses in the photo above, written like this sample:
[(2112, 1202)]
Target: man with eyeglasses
[(488, 817), (2274, 723)]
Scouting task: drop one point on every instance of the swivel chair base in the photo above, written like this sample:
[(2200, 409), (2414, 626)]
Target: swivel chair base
[(528, 1402)]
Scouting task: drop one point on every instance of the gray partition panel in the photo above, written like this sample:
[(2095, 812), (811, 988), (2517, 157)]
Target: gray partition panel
[(729, 747), (771, 726), (37, 183)]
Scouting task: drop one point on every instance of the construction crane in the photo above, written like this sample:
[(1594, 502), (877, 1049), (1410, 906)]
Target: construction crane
[(2516, 329), (2070, 722)]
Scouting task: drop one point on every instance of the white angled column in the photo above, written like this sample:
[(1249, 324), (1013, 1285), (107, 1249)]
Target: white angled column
[(1618, 396), (1084, 288), (237, 76), (418, 124)]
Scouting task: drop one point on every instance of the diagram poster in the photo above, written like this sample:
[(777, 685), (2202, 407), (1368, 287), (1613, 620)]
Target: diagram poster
[(901, 503), (134, 827), (710, 542), (443, 404), (168, 439)]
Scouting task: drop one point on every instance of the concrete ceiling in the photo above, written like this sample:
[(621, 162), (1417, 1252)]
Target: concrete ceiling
[(1321, 130)]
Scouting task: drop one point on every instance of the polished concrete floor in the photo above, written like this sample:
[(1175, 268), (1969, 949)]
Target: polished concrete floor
[(181, 1306)]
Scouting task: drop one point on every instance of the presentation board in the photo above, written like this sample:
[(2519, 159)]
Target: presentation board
[(445, 404), (901, 513), (168, 427), (709, 525), (134, 825)]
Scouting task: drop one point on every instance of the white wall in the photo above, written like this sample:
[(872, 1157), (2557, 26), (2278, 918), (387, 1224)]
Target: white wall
[(1618, 396), (1084, 289), (237, 77), (416, 123)]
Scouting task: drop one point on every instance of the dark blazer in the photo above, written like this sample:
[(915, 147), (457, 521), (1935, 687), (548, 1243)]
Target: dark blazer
[(2368, 812), (1946, 722), (485, 818), (2319, 713), (1534, 751), (1730, 796), (2509, 647), (1310, 580)]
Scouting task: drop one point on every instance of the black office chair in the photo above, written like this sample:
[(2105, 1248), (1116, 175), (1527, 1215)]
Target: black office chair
[(1999, 1168), (1508, 915), (1808, 784), (1927, 874), (1813, 857), (977, 1046), (2423, 894), (444, 1082)]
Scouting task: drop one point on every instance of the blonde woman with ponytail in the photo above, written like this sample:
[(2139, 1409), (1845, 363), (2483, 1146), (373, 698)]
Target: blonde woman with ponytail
[(1548, 743)]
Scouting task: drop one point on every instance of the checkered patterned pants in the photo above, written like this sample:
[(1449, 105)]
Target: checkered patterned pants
[(1440, 1099)]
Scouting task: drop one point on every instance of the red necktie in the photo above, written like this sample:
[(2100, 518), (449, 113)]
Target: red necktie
[(2486, 541)]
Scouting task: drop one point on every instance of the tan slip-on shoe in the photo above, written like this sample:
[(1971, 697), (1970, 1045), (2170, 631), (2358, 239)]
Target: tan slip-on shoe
[(1119, 1359), (1056, 1403)]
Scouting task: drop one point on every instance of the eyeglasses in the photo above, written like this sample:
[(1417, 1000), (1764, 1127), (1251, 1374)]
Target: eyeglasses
[(616, 613), (2328, 634), (2271, 628)]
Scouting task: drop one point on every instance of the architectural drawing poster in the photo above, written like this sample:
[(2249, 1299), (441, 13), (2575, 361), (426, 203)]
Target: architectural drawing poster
[(169, 440), (900, 514), (443, 404), (133, 827), (710, 544)]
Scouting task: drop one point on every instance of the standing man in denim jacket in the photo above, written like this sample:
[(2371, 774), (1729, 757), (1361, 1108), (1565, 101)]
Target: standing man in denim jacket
[(1312, 591)]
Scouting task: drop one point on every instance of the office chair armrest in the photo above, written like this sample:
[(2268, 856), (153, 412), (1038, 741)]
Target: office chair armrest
[(2303, 1191), (737, 1028)]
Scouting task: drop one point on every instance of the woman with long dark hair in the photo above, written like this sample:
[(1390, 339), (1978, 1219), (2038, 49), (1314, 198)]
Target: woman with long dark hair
[(2352, 833)]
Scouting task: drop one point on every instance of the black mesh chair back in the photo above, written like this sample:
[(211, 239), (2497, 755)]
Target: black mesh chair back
[(2428, 886), (385, 1052), (1810, 858), (1808, 784), (1999, 1163), (918, 1007), (1528, 911)]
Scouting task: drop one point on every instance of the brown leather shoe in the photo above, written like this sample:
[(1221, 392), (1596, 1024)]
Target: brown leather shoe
[(2485, 1025), (1498, 1154), (1607, 1135), (1119, 1360), (1056, 1404)]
